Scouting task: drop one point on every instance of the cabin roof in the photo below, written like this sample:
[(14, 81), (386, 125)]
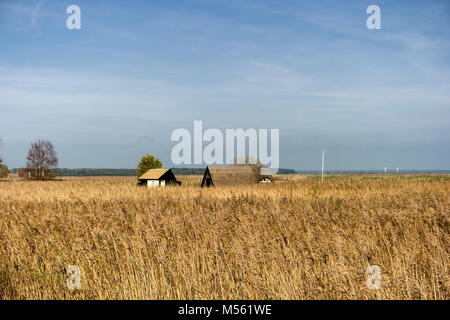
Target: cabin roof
[(153, 174)]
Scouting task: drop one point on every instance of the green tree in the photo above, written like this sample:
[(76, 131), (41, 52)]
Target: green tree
[(147, 162)]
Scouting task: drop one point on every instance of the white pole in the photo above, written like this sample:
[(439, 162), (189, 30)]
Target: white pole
[(397, 170), (385, 169), (323, 161)]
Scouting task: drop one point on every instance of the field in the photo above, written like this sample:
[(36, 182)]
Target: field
[(296, 239)]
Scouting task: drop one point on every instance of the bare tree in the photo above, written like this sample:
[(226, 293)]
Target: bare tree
[(42, 160)]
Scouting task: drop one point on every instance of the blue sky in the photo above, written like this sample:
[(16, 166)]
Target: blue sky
[(116, 89)]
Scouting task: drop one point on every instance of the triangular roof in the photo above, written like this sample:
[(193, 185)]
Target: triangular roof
[(153, 174)]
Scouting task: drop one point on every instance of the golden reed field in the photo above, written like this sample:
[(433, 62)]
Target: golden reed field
[(297, 239)]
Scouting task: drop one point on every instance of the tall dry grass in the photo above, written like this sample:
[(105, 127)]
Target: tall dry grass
[(301, 239)]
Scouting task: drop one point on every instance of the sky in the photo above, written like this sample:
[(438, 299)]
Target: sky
[(136, 71)]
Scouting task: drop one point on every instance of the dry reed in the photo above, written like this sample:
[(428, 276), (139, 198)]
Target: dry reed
[(298, 239)]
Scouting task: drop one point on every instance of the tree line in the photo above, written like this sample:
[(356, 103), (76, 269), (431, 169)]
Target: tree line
[(98, 172)]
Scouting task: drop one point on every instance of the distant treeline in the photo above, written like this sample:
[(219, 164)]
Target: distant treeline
[(64, 172), (186, 171)]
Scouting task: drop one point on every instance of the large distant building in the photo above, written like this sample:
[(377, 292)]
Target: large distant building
[(235, 175)]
